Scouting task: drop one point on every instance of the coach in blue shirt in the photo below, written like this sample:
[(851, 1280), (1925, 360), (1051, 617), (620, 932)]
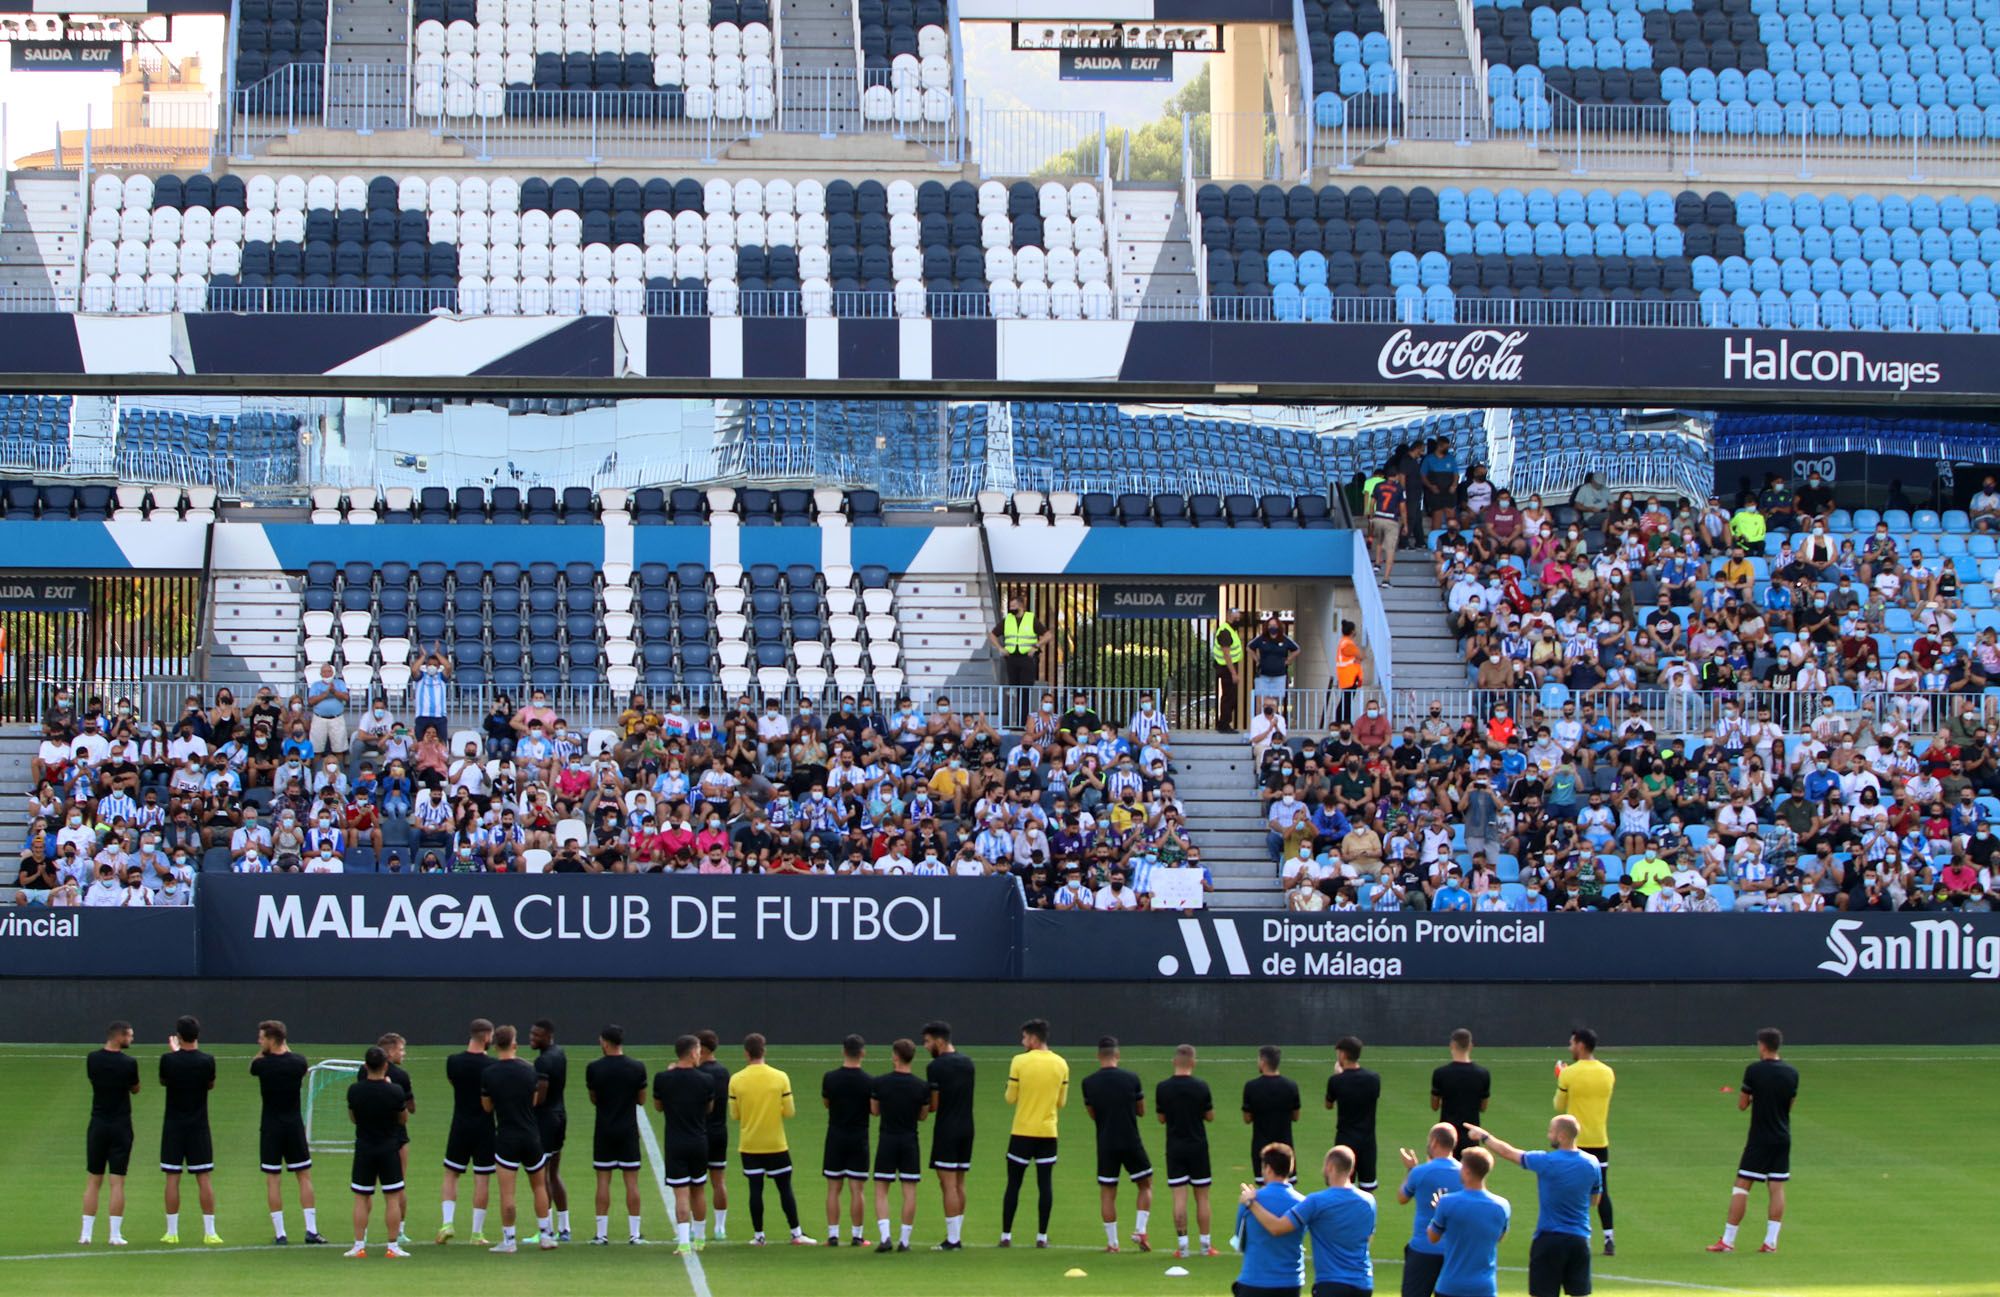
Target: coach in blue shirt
[(1426, 1183), (1470, 1224), (1340, 1219), (1568, 1182), (1274, 1264)]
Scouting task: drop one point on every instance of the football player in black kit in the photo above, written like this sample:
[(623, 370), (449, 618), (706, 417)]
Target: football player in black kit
[(380, 1110), (393, 1046), (1270, 1104), (187, 1075), (1353, 1091), (281, 1132), (844, 1092), (718, 1129), (551, 1118), (1115, 1099), (902, 1100), (469, 1145), (1185, 1108), (685, 1093), (114, 1078), (511, 1090), (951, 1076), (617, 1085)]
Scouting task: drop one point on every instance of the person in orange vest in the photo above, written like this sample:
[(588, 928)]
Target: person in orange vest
[(1347, 670)]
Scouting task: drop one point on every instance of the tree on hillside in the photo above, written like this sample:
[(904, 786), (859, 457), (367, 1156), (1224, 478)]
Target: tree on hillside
[(1156, 146)]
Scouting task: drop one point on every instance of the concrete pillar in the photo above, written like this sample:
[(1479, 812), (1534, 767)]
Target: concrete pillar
[(1236, 103)]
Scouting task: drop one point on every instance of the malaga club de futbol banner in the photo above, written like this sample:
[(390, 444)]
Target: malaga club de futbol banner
[(637, 926)]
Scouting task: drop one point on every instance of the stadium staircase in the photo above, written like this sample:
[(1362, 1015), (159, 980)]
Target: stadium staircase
[(942, 626), (817, 40), (41, 235), (1213, 774), (1423, 651), (1440, 68), (1154, 249), (375, 35), (18, 744), (254, 631)]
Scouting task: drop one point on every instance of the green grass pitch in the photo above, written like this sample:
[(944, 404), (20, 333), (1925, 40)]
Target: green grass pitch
[(1884, 1202)]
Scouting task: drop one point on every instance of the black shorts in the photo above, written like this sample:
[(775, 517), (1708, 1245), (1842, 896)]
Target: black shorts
[(1031, 1148), (554, 1128), (107, 1147), (281, 1146), (1558, 1264), (516, 1151), (1766, 1162), (1421, 1271), (1187, 1162), (1364, 1161), (687, 1161), (844, 1156), (1603, 1156), (951, 1149), (1126, 1156), (1248, 1290), (376, 1165), (718, 1148), (767, 1163), (185, 1145), (617, 1150), (1331, 1289), (899, 1157), (469, 1145)]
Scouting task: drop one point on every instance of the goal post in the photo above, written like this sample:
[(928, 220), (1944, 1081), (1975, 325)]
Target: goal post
[(326, 1086)]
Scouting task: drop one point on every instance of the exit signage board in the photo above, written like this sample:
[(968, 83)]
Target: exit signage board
[(66, 56), (1115, 65)]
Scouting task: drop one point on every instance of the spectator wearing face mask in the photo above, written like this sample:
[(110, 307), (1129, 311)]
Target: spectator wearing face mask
[(326, 698)]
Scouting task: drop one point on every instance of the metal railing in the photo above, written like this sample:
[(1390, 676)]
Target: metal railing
[(1349, 306), (1036, 143), (1374, 619), (280, 105), (1244, 147), (1359, 125), (1696, 713), (576, 298), (366, 99), (1557, 474)]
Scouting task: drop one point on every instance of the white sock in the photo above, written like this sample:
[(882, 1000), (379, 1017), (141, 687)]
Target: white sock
[(1041, 1238), (507, 1233), (1111, 1232), (833, 1235), (208, 1224), (721, 1220), (882, 1224), (450, 1210), (278, 1223), (952, 1226), (603, 1227), (631, 1223), (1182, 1242), (173, 1222), (700, 1228), (479, 1220), (1771, 1228), (1139, 1219), (1007, 1236), (1607, 1233), (1729, 1234), (117, 1224), (681, 1232), (904, 1235), (798, 1233), (1205, 1244), (89, 1224), (860, 1235), (562, 1220), (545, 1225), (312, 1219)]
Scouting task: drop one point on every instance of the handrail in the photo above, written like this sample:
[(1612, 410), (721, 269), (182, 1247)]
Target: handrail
[(958, 105), (1304, 44)]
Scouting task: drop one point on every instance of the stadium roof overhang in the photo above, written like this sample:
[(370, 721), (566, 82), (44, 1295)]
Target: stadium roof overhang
[(1124, 360)]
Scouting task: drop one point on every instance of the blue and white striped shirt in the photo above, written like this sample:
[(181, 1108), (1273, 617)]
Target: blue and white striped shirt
[(429, 694)]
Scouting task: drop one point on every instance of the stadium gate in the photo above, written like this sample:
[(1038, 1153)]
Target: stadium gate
[(97, 634)]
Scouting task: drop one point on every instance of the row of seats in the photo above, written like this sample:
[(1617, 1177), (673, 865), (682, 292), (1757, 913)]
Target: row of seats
[(35, 430), (646, 506), (22, 501), (1136, 509), (271, 35), (1089, 442), (892, 443), (1338, 36)]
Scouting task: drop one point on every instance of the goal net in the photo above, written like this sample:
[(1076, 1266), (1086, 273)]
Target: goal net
[(326, 1103)]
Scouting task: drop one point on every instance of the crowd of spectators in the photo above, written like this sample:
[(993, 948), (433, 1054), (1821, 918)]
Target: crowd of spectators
[(131, 810)]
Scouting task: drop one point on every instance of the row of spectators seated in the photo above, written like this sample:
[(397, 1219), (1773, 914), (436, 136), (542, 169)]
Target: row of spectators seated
[(681, 506), (513, 626), (570, 246)]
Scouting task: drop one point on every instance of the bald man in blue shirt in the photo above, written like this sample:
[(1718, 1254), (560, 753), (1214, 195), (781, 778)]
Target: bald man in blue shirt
[(1568, 1185), (1340, 1219)]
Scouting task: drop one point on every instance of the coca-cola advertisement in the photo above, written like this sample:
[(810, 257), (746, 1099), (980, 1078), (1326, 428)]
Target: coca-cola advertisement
[(1476, 356)]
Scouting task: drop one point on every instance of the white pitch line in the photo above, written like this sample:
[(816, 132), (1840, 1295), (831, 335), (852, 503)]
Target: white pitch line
[(100, 1250), (656, 1158)]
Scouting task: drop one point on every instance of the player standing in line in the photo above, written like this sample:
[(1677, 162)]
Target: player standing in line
[(760, 1098), (1115, 1099), (1470, 1224), (281, 1130), (1770, 1085), (902, 1100), (951, 1079), (718, 1130), (1185, 1107), (1425, 1184), (1353, 1091), (846, 1094), (1270, 1103), (469, 1145), (380, 1109), (1037, 1090), (1274, 1265), (187, 1075), (551, 1117), (1340, 1219), (1583, 1089), (511, 1090), (684, 1093), (107, 1142), (1568, 1182), (616, 1084), (393, 1046), (1461, 1089)]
